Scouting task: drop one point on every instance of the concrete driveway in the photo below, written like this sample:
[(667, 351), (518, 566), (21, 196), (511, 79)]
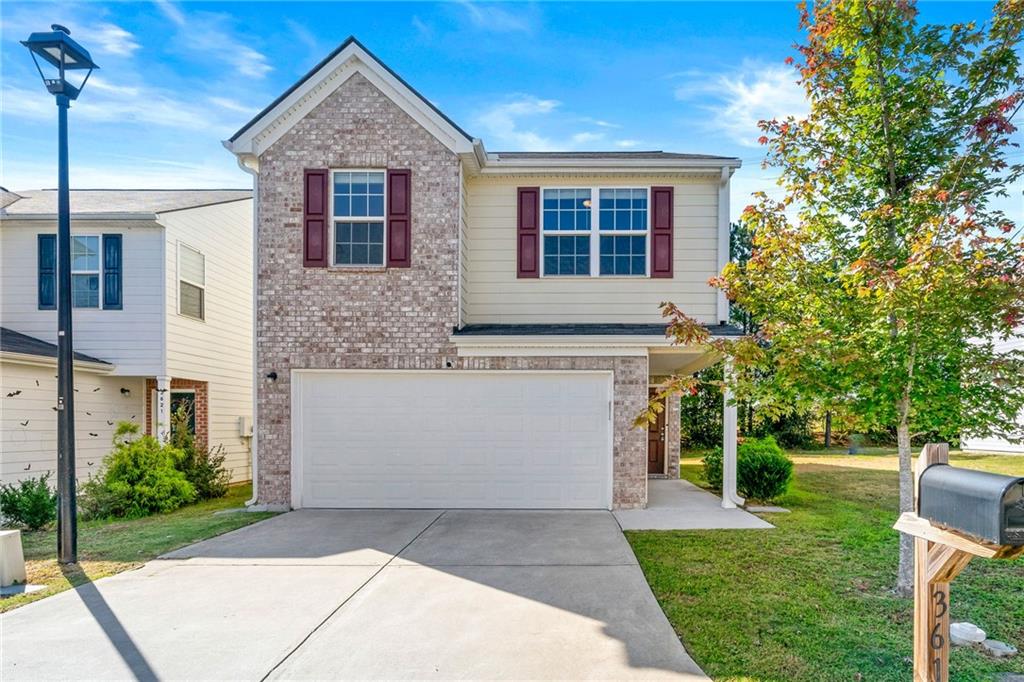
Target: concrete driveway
[(319, 594)]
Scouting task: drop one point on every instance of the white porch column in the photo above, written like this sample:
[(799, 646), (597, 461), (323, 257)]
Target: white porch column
[(730, 496), (162, 409)]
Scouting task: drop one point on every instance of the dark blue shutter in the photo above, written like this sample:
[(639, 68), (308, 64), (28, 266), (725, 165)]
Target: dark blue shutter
[(112, 272), (47, 271)]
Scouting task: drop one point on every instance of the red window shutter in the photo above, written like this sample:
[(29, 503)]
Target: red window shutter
[(399, 218), (314, 218), (528, 233), (661, 232)]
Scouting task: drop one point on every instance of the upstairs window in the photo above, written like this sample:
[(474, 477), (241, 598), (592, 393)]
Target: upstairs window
[(606, 238), (191, 282), (85, 272), (567, 226), (357, 200)]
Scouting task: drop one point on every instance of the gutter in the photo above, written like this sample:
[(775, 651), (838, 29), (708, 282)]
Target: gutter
[(46, 361)]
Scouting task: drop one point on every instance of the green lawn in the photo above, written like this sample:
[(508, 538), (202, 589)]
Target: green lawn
[(811, 599), (108, 547)]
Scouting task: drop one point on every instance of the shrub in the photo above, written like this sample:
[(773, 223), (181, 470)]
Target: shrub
[(138, 478), (203, 468), (763, 472), (713, 468), (30, 502)]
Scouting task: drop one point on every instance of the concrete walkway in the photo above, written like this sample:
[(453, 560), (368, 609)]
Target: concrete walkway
[(680, 505), (319, 594)]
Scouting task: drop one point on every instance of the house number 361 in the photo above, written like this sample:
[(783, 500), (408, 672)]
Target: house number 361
[(936, 640)]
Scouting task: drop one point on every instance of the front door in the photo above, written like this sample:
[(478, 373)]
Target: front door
[(656, 444)]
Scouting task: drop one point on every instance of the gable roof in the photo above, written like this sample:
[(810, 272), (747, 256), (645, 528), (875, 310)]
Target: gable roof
[(347, 59), (23, 344), (99, 202)]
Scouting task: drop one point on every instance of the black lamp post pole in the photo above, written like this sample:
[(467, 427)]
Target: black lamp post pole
[(67, 518)]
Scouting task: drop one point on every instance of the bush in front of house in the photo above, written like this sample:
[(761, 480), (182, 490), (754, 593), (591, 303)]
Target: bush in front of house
[(138, 478), (30, 502), (203, 467), (763, 471)]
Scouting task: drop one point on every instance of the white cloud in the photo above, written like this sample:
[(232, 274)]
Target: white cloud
[(503, 123), (423, 28), (113, 39), (626, 144), (599, 122), (233, 105), (100, 83), (170, 11), (490, 16), (585, 137), (737, 100), (209, 34)]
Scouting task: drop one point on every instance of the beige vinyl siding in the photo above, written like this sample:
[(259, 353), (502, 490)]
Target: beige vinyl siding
[(495, 295), (218, 349), (992, 443), (28, 422), (130, 338)]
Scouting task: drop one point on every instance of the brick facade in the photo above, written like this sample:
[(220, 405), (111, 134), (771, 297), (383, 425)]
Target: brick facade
[(202, 406), (333, 318)]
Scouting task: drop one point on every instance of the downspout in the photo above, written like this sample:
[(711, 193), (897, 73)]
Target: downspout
[(250, 164)]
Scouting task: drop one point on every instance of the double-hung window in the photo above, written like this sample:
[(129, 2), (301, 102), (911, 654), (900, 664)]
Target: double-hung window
[(191, 282), (608, 237), (85, 272), (357, 199)]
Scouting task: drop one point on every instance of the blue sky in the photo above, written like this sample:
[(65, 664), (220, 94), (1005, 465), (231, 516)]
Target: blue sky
[(176, 78)]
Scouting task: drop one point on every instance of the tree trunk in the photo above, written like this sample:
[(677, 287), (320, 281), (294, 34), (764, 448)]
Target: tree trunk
[(828, 429), (905, 574)]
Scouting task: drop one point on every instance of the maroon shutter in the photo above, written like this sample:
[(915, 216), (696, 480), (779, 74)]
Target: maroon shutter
[(314, 218), (661, 232), (399, 217), (528, 232)]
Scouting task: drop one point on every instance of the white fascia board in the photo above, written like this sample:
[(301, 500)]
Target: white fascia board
[(612, 166), (43, 361), (353, 59), (573, 341)]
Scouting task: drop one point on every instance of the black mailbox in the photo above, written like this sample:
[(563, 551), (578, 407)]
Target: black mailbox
[(987, 506)]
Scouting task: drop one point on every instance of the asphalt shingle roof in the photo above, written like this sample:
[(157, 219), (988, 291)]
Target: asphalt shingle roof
[(97, 201), (16, 342)]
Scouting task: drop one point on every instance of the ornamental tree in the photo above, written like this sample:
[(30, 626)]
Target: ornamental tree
[(885, 276)]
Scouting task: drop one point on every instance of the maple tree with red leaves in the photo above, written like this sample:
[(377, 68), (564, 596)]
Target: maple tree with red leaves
[(885, 277)]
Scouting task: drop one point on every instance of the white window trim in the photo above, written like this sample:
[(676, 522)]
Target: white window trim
[(180, 279), (98, 271), (383, 220), (155, 417), (595, 232)]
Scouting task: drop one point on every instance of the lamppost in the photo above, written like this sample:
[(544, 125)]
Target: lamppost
[(58, 51)]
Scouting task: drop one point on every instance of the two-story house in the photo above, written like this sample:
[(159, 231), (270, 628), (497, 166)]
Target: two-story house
[(442, 326), (161, 289)]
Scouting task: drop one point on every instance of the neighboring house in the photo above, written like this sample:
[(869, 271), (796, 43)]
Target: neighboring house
[(993, 443), (442, 326), (162, 309)]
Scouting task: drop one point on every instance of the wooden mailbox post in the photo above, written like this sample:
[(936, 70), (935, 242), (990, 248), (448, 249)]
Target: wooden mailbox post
[(939, 556)]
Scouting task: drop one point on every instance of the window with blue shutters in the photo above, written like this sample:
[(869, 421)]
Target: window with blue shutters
[(47, 267), (97, 266)]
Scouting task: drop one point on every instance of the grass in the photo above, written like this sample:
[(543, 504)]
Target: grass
[(812, 599), (109, 547)]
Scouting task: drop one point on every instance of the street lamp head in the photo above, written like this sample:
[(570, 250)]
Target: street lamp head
[(60, 54)]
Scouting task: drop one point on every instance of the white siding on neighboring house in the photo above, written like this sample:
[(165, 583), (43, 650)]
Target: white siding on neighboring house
[(28, 422), (131, 338), (463, 245), (992, 444), (495, 295), (218, 349)]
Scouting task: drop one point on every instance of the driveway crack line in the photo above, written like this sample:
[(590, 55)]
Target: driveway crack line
[(348, 598)]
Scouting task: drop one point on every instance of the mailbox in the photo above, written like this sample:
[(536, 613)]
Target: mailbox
[(987, 506)]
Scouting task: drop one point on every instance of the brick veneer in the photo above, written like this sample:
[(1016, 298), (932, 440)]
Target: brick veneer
[(332, 318), (202, 406)]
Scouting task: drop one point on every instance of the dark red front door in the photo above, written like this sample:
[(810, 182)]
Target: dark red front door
[(656, 444)]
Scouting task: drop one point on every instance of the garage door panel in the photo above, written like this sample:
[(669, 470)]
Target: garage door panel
[(454, 439)]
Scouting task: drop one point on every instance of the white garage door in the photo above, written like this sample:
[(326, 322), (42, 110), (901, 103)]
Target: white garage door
[(451, 439)]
